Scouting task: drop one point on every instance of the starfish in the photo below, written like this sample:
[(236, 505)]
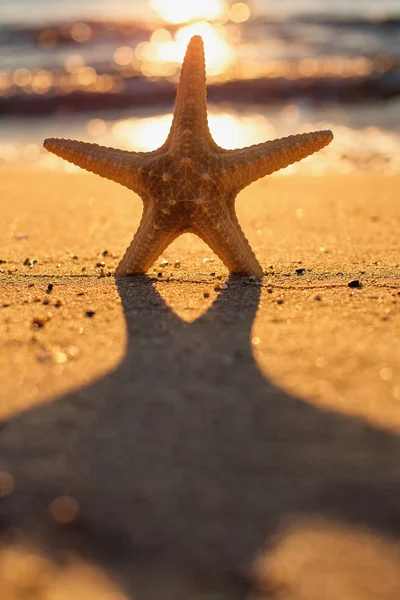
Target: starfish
[(190, 183)]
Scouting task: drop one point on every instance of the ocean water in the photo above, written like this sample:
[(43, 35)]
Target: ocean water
[(107, 72), (28, 12)]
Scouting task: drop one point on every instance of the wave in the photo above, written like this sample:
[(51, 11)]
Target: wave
[(311, 57), (140, 91)]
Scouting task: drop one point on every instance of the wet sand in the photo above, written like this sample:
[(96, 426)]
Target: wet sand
[(187, 434)]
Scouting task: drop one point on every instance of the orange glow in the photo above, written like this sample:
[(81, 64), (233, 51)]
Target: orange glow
[(229, 131), (162, 50), (219, 54), (184, 11)]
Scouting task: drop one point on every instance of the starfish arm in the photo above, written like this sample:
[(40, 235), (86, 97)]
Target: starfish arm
[(149, 241), (246, 165), (121, 166), (189, 129), (225, 237)]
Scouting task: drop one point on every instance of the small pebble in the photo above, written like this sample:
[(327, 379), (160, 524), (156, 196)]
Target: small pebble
[(90, 313), (355, 283), (269, 289), (44, 357), (80, 293), (300, 271), (83, 268), (50, 287), (58, 303), (46, 301), (177, 264), (217, 286), (26, 262), (280, 301), (159, 274), (100, 264), (164, 263), (105, 253), (39, 321), (206, 294), (31, 284), (318, 298)]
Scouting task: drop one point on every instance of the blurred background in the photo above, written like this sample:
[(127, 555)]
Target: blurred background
[(106, 72)]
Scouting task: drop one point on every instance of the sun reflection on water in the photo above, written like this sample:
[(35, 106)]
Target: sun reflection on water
[(365, 150), (215, 20), (184, 11), (228, 130), (163, 49)]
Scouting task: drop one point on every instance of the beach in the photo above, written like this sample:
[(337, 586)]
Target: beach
[(188, 434)]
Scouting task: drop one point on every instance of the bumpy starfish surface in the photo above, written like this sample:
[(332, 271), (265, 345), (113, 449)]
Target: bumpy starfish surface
[(190, 183)]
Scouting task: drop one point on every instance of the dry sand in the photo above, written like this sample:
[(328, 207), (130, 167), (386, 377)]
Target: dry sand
[(162, 439)]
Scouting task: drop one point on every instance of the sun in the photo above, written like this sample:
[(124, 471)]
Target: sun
[(185, 11), (163, 49)]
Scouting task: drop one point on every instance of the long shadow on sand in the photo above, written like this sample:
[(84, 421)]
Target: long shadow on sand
[(186, 458)]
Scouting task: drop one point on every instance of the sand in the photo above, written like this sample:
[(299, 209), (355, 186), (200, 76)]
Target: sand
[(162, 438)]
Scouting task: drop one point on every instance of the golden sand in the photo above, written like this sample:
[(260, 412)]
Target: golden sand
[(191, 419)]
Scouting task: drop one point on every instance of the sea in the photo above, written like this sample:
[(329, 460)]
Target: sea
[(106, 72)]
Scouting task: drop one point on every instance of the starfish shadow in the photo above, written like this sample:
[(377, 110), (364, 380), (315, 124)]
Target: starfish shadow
[(186, 459)]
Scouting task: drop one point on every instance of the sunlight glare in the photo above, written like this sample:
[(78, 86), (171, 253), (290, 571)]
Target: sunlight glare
[(229, 131), (185, 11), (162, 49), (219, 54)]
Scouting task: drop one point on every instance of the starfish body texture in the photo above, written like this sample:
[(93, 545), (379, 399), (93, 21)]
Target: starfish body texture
[(190, 183)]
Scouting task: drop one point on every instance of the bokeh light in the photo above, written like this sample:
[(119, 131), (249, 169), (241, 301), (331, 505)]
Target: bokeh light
[(184, 11), (239, 12)]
